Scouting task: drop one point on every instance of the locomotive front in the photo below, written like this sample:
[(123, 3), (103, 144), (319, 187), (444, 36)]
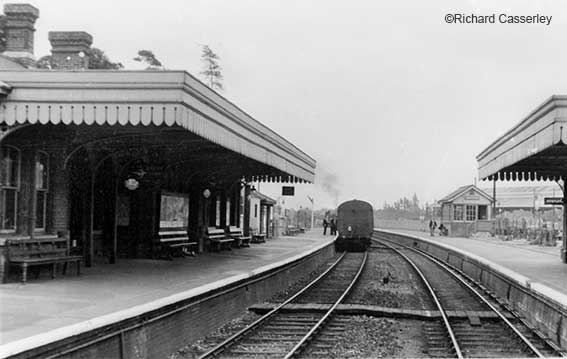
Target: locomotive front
[(355, 223)]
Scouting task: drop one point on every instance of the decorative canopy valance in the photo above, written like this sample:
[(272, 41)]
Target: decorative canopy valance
[(147, 98)]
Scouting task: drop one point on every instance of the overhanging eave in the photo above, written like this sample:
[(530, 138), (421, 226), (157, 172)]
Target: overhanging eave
[(143, 98), (542, 131)]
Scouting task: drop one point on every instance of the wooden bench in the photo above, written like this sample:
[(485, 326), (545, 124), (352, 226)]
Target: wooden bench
[(218, 238), (176, 242), (258, 237), (240, 240), (292, 230), (25, 253)]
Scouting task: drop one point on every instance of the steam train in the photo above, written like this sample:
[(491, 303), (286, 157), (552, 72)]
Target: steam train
[(355, 223)]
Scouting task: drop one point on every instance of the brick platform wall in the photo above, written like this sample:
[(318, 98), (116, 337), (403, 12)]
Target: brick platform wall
[(159, 333), (58, 203), (543, 313)]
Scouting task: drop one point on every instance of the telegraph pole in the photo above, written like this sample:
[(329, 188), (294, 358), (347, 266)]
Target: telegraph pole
[(312, 200)]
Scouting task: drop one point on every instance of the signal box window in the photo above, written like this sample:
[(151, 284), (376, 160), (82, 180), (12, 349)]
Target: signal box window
[(471, 213), (482, 212), (10, 186), (458, 215)]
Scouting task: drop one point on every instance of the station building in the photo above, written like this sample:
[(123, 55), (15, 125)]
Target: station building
[(262, 213), (534, 149), (466, 210), (108, 159)]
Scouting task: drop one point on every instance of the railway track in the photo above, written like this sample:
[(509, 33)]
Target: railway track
[(490, 331), (284, 335)]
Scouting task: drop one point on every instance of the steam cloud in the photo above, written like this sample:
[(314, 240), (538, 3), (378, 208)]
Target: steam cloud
[(329, 183)]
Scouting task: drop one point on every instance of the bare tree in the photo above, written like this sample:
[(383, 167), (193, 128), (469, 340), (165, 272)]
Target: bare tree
[(212, 70)]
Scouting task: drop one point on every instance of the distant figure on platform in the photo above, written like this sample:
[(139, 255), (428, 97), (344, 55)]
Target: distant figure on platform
[(325, 225), (333, 227), (443, 231), (432, 226)]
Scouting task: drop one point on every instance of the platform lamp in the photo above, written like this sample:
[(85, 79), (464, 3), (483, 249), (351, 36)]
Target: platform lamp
[(206, 193)]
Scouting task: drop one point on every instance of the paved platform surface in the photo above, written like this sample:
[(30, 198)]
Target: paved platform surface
[(43, 304), (539, 264)]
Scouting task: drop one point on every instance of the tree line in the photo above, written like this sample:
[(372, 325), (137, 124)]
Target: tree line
[(404, 208), (98, 60)]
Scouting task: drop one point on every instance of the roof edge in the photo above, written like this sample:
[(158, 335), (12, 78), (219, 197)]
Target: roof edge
[(456, 193), (545, 107)]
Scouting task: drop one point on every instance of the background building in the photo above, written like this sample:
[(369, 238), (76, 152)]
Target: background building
[(110, 159), (466, 210)]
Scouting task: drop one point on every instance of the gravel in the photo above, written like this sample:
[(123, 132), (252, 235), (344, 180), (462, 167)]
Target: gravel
[(284, 294), (370, 337), (401, 289), (364, 336), (194, 350)]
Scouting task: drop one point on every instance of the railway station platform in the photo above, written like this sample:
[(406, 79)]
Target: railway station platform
[(539, 264), (43, 307)]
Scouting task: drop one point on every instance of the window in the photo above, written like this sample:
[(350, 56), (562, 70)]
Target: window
[(41, 187), (482, 212), (255, 211), (217, 211), (458, 215), (471, 213), (227, 219), (10, 185), (174, 211)]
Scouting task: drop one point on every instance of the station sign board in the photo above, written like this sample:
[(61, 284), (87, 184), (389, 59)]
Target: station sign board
[(288, 190), (557, 201)]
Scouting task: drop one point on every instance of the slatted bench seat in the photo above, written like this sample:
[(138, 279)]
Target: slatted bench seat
[(240, 240), (176, 243), (25, 253), (292, 230), (218, 239), (258, 237)]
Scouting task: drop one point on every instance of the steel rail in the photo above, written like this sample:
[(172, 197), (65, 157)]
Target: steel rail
[(296, 349), (235, 337), (526, 341), (120, 332), (434, 297)]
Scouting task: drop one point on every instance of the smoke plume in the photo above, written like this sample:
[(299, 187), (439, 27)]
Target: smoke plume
[(329, 182)]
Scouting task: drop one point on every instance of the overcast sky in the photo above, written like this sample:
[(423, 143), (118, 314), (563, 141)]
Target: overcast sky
[(386, 96)]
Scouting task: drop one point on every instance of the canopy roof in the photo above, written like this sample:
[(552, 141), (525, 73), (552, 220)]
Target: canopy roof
[(263, 198), (526, 197), (533, 149), (468, 189), (144, 98)]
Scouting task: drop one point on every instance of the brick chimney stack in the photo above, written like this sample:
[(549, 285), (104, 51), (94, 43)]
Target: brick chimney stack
[(19, 31), (69, 49)]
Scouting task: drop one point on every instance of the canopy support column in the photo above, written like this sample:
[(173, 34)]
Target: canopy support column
[(114, 254), (90, 245), (246, 224), (564, 244), (494, 198)]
